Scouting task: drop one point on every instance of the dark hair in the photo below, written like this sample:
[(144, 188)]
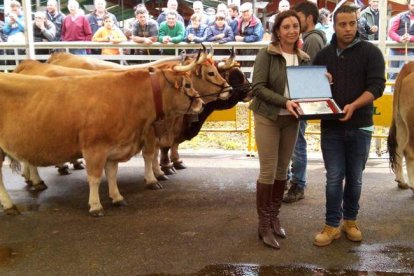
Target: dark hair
[(234, 7), (106, 16), (140, 9), (344, 9), (308, 8), (278, 21)]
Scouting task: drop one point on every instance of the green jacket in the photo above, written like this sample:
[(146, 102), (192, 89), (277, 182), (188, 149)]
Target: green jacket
[(177, 33), (269, 80)]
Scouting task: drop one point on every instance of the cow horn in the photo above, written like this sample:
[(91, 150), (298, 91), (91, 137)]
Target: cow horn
[(185, 68), (210, 55), (202, 56)]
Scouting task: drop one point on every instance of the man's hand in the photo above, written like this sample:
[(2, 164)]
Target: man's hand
[(374, 29), (348, 110), (239, 38), (166, 39), (40, 24), (219, 36), (190, 37), (147, 41), (405, 38), (291, 106)]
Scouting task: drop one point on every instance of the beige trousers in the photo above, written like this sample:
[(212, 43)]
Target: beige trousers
[(275, 142)]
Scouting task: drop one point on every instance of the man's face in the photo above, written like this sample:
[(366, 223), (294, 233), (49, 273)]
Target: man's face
[(100, 5), (411, 6), (247, 15), (172, 5), (345, 28), (51, 7), (171, 20), (284, 6), (303, 22), (374, 4), (142, 18), (198, 8)]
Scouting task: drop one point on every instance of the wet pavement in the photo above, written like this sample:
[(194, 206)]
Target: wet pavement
[(203, 223)]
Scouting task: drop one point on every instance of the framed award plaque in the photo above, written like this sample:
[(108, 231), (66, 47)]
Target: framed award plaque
[(309, 87)]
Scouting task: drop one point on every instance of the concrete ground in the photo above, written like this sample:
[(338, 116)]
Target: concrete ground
[(203, 223)]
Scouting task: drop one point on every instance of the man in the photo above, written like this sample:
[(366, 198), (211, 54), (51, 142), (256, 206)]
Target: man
[(172, 5), (364, 29), (43, 30), (96, 20), (357, 71), (144, 31), (56, 17), (371, 15), (249, 27), (402, 31), (313, 41), (233, 11), (14, 23), (171, 31), (284, 5)]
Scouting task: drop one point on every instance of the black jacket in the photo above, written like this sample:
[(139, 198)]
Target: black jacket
[(356, 69)]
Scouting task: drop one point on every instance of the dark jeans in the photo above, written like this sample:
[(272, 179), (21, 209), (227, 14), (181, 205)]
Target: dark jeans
[(345, 153), (300, 158)]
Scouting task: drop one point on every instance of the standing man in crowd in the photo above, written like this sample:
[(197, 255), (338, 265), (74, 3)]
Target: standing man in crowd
[(313, 41), (56, 17), (43, 29), (402, 31), (357, 72), (371, 15), (233, 11), (172, 5)]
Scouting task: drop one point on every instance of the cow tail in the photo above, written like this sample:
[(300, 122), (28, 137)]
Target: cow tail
[(392, 145), (15, 165)]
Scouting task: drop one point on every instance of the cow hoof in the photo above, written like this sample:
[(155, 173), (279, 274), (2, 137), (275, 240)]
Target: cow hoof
[(78, 166), (179, 165), (63, 170), (403, 186), (169, 170), (155, 186), (38, 187), (121, 203), (13, 211), (29, 183), (162, 177), (97, 213)]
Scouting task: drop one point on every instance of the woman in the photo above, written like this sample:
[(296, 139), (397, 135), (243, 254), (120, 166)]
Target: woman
[(76, 27), (276, 125)]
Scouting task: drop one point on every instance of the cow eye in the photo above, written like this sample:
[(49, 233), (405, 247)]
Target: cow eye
[(187, 85), (211, 74)]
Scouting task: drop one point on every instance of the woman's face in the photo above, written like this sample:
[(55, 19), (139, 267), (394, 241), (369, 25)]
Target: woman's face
[(289, 31)]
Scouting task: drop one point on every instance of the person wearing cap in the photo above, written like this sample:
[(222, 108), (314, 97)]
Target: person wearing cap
[(249, 27)]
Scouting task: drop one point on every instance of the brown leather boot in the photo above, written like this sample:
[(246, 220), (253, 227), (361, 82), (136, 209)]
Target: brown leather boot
[(263, 203), (277, 196)]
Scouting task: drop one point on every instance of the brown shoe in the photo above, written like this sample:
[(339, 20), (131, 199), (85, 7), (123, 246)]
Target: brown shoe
[(294, 194), (351, 230), (327, 236), (277, 196)]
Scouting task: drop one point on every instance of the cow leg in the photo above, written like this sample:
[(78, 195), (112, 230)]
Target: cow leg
[(402, 139), (156, 168), (94, 168), (26, 174), (5, 200), (166, 165), (111, 171), (175, 158), (37, 184), (148, 154), (63, 169)]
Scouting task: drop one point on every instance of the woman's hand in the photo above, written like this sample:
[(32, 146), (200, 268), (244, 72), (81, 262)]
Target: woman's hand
[(329, 76), (292, 107)]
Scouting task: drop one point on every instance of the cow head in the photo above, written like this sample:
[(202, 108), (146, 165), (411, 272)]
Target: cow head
[(206, 79), (231, 72), (183, 96)]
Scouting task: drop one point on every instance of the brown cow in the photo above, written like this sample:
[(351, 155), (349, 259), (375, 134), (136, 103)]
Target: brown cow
[(401, 134), (105, 118), (206, 80)]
